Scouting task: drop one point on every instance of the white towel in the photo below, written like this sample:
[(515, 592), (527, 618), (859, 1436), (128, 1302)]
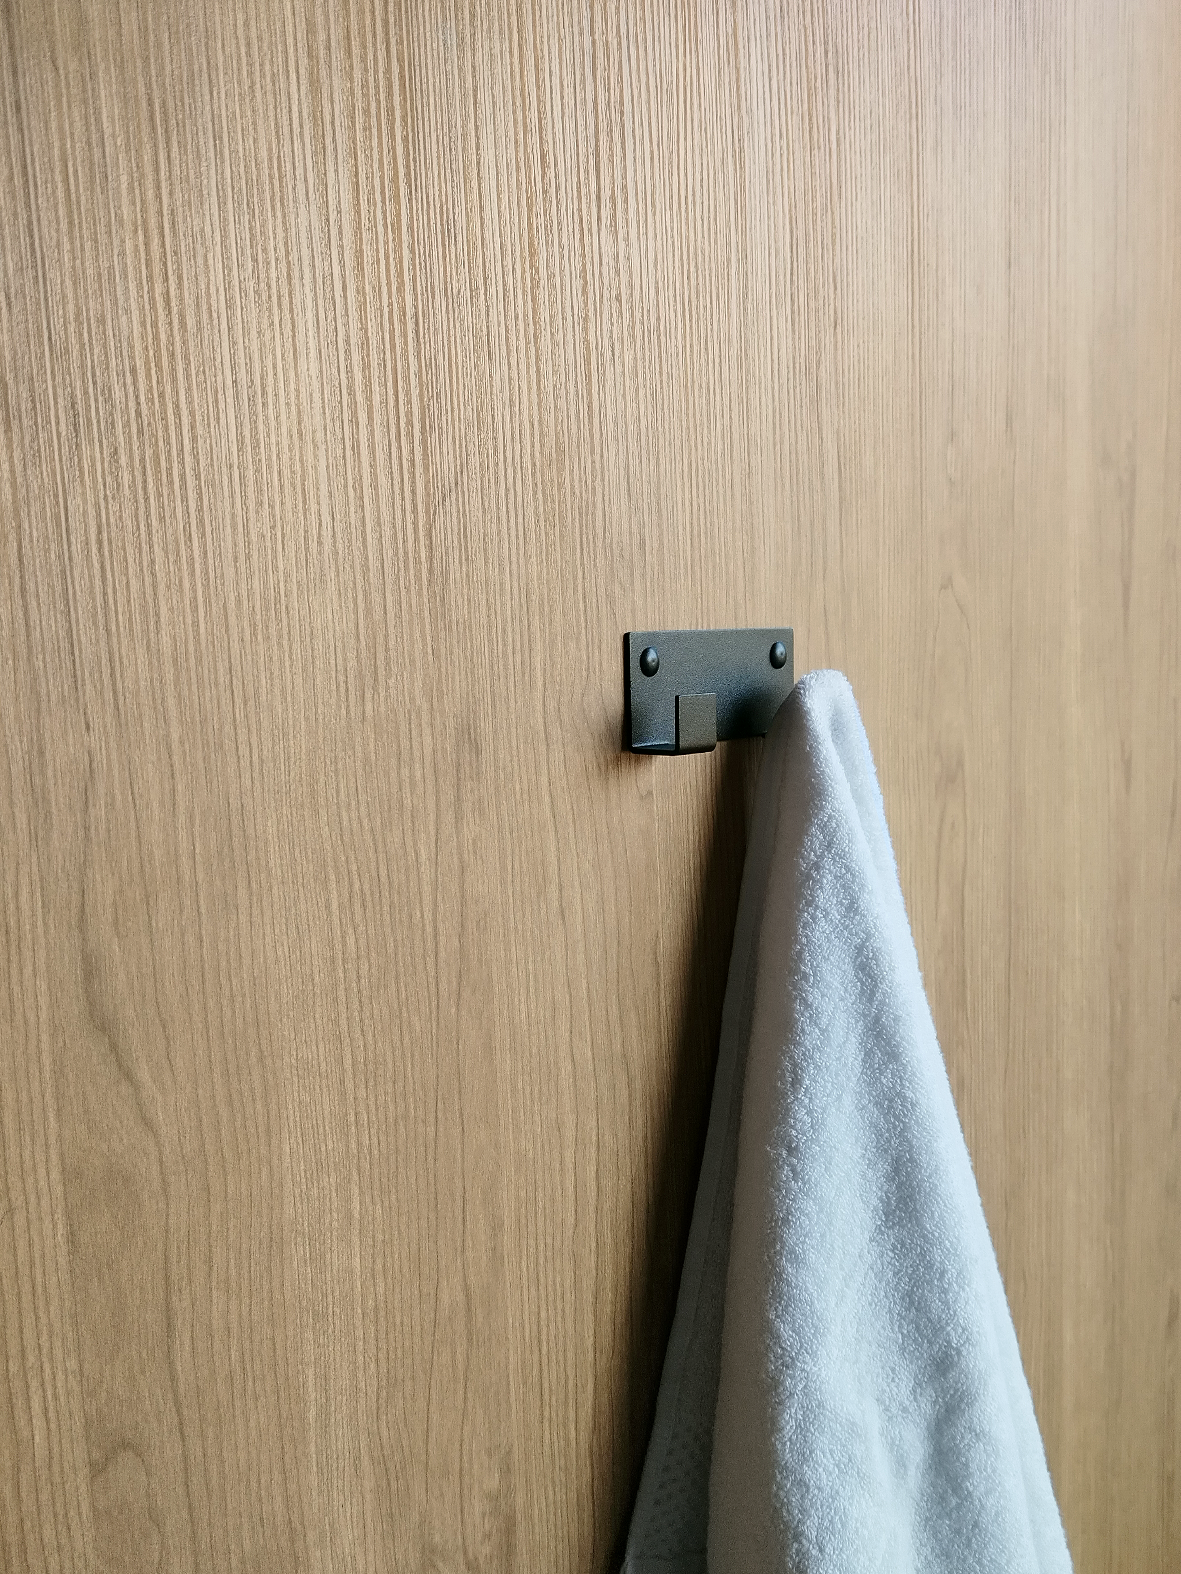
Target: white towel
[(843, 1389)]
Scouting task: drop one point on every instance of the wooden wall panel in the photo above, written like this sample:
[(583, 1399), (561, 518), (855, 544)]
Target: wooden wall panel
[(364, 374)]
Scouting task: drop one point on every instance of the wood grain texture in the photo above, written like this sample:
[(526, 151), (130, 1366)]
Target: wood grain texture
[(365, 374)]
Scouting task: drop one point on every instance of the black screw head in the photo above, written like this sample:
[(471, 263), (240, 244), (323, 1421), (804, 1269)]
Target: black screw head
[(650, 661), (778, 653)]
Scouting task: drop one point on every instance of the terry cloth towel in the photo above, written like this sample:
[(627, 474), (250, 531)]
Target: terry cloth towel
[(842, 1389)]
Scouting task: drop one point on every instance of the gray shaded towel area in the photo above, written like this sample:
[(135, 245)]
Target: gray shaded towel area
[(842, 1389)]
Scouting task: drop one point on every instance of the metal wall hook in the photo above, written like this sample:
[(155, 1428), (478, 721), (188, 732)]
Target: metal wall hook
[(686, 690)]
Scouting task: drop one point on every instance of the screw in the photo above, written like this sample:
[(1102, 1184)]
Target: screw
[(778, 654), (650, 661)]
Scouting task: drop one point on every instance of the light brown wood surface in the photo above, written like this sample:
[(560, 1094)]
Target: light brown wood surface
[(364, 374)]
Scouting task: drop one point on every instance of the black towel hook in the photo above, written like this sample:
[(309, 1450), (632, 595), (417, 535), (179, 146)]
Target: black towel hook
[(685, 690)]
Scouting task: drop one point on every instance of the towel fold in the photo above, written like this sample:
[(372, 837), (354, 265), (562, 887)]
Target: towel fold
[(843, 1389)]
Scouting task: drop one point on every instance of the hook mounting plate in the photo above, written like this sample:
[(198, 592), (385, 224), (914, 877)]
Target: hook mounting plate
[(671, 676)]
